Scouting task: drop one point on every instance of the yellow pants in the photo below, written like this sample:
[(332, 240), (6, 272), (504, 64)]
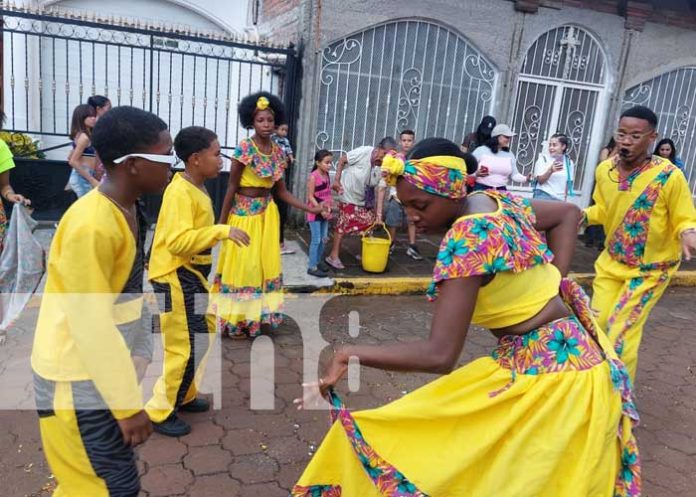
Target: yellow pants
[(623, 297), (179, 324), (83, 446)]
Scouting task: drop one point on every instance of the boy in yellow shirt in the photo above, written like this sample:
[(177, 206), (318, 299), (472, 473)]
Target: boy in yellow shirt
[(179, 266), (86, 385), (644, 204)]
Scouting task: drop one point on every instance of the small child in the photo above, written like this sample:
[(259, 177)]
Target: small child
[(281, 139), (86, 384), (319, 194), (180, 263)]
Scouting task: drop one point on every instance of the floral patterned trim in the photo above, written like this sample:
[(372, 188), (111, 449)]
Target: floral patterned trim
[(388, 480), (249, 206), (248, 327), (247, 292), (628, 242), (491, 243), (316, 491), (264, 166), (628, 480), (637, 310), (562, 345)]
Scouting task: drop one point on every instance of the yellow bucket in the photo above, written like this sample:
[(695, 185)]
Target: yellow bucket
[(375, 251)]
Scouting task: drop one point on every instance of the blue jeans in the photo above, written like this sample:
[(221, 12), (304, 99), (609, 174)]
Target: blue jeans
[(542, 195), (78, 184), (479, 187), (320, 232)]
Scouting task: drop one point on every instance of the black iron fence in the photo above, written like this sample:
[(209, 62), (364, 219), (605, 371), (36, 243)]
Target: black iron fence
[(54, 61)]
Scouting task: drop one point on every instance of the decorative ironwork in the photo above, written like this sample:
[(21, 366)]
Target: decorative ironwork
[(529, 135), (562, 77), (411, 85), (179, 74), (671, 96), (401, 74), (566, 53)]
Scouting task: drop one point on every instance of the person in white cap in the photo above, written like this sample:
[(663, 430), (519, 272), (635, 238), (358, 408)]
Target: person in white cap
[(496, 164)]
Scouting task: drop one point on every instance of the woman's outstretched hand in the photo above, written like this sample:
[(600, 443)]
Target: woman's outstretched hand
[(314, 392)]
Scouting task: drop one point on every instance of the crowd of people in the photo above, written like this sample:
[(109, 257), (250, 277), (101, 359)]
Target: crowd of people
[(551, 408)]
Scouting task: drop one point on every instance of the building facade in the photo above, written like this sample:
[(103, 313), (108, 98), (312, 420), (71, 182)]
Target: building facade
[(373, 68)]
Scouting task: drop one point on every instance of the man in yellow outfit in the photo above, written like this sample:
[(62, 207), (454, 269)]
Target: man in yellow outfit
[(644, 204), (180, 263), (86, 365)]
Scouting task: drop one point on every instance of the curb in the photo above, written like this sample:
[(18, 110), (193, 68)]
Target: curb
[(413, 285)]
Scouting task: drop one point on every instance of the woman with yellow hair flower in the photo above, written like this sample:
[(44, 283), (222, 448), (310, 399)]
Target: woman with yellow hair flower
[(548, 413), (247, 288)]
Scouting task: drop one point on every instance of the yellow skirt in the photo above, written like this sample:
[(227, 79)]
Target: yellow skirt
[(247, 287), (548, 414)]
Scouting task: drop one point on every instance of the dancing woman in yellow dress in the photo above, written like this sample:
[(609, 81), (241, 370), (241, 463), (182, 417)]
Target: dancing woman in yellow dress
[(548, 413), (246, 291)]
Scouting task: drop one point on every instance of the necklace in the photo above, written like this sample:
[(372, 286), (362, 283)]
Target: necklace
[(129, 214), (188, 178), (626, 182)]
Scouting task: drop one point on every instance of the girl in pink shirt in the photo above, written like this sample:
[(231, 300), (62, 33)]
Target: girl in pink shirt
[(497, 165), (319, 193)]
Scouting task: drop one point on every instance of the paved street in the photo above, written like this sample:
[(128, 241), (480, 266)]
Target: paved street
[(238, 452)]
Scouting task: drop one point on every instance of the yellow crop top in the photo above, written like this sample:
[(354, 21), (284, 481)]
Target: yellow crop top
[(506, 244), (261, 170)]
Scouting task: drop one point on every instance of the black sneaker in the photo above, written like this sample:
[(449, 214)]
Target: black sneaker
[(413, 253), (324, 267), (196, 405), (317, 272), (172, 427)]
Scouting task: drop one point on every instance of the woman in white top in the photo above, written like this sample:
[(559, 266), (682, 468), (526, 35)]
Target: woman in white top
[(496, 164), (554, 172)]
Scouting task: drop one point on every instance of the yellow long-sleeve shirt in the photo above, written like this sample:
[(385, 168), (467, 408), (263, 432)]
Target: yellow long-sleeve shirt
[(184, 228), (76, 337), (672, 213)]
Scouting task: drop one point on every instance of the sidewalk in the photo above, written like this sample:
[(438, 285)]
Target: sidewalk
[(403, 274), (404, 271)]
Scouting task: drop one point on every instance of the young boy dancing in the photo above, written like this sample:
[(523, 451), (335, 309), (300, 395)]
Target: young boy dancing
[(179, 266), (86, 386)]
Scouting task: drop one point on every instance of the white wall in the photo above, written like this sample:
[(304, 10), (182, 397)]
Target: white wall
[(210, 102)]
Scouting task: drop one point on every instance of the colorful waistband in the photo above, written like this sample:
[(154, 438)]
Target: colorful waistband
[(559, 346), (249, 206)]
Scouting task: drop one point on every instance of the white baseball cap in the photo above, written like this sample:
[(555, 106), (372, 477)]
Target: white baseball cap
[(502, 130)]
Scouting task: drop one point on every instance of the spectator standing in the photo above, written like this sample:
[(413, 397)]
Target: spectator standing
[(357, 175), (665, 148), (496, 164), (394, 213), (554, 172), (479, 137)]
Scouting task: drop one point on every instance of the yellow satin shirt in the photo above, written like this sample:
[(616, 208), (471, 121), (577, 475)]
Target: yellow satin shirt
[(76, 337), (185, 228)]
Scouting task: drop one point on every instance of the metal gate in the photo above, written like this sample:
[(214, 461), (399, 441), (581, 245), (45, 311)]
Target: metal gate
[(401, 75), (672, 95), (54, 61), (560, 89)]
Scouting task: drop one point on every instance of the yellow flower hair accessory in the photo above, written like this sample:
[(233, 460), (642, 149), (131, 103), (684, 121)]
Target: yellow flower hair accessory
[(392, 168), (262, 103)]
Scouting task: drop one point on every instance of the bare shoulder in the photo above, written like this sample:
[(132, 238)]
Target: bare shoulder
[(479, 203)]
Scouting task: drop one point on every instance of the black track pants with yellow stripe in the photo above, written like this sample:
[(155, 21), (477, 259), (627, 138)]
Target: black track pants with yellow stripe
[(82, 442), (179, 324)]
